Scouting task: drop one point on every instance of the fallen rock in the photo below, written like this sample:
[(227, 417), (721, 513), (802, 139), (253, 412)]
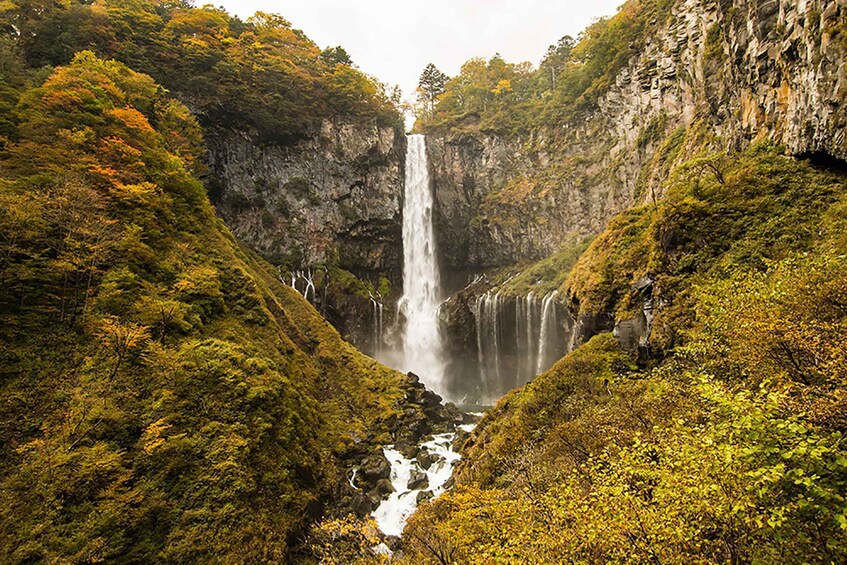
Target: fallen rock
[(384, 487), (425, 459), (376, 467), (424, 495), (407, 450)]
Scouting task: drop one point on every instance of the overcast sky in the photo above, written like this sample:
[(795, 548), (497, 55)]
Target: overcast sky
[(393, 40)]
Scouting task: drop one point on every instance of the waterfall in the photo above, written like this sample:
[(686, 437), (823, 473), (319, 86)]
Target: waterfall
[(378, 334), (479, 309), (422, 348), (531, 319), (308, 283), (548, 324)]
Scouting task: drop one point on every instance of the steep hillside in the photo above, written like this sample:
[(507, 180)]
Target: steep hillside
[(730, 447), (304, 152), (164, 397)]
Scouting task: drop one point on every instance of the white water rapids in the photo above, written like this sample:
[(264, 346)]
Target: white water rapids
[(392, 513)]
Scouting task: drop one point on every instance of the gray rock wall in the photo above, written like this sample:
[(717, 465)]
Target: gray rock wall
[(748, 69), (333, 198)]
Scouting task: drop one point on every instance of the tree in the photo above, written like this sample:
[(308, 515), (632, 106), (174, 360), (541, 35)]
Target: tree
[(556, 56), (336, 56), (431, 85)]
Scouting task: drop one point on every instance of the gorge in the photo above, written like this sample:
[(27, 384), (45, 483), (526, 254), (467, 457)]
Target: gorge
[(587, 310)]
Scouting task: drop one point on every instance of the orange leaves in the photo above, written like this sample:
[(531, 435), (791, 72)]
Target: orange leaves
[(131, 119), (66, 100)]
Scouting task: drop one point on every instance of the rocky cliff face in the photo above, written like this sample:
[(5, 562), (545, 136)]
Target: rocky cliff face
[(332, 198), (748, 69), (718, 75)]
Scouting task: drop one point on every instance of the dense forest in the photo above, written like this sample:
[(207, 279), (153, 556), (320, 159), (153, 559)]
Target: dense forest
[(512, 98), (167, 396), (260, 73)]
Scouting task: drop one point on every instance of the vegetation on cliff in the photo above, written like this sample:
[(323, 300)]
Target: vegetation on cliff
[(494, 96), (260, 73), (729, 445), (164, 397)]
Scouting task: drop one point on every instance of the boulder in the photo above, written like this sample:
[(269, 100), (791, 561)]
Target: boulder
[(384, 487), (407, 450), (425, 459), (376, 467), (418, 481), (362, 505)]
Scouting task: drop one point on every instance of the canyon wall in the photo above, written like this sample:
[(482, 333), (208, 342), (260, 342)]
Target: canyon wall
[(333, 198), (747, 70), (327, 211)]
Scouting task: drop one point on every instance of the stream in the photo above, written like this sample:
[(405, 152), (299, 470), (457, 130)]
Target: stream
[(391, 515)]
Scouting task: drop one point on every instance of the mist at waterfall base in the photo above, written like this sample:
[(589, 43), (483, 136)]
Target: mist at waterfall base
[(515, 337)]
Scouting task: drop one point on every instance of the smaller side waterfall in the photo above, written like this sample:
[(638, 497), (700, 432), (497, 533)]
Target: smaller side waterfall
[(548, 325), (303, 282), (517, 337), (378, 326)]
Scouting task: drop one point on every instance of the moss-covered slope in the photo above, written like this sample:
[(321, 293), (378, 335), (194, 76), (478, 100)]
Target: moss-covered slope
[(728, 445), (163, 397)]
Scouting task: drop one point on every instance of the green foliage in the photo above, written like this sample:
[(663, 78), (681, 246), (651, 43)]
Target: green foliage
[(164, 397), (261, 74), (720, 212), (543, 276), (505, 98), (431, 85)]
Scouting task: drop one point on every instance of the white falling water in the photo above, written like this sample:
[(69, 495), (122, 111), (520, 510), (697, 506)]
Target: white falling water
[(548, 322), (531, 303), (479, 318), (378, 331), (422, 349)]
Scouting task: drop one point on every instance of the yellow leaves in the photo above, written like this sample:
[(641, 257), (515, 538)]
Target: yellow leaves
[(152, 437), (504, 86), (80, 137), (197, 280), (346, 541), (121, 339)]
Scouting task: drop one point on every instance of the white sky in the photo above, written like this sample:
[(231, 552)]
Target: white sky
[(394, 40)]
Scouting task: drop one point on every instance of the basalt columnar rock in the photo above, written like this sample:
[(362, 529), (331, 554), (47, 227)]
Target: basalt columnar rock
[(750, 69), (332, 198)]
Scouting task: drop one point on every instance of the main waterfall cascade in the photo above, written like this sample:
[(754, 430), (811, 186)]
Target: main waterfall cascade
[(516, 337), (422, 346)]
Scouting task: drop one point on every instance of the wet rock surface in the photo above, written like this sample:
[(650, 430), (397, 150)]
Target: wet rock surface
[(369, 471)]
